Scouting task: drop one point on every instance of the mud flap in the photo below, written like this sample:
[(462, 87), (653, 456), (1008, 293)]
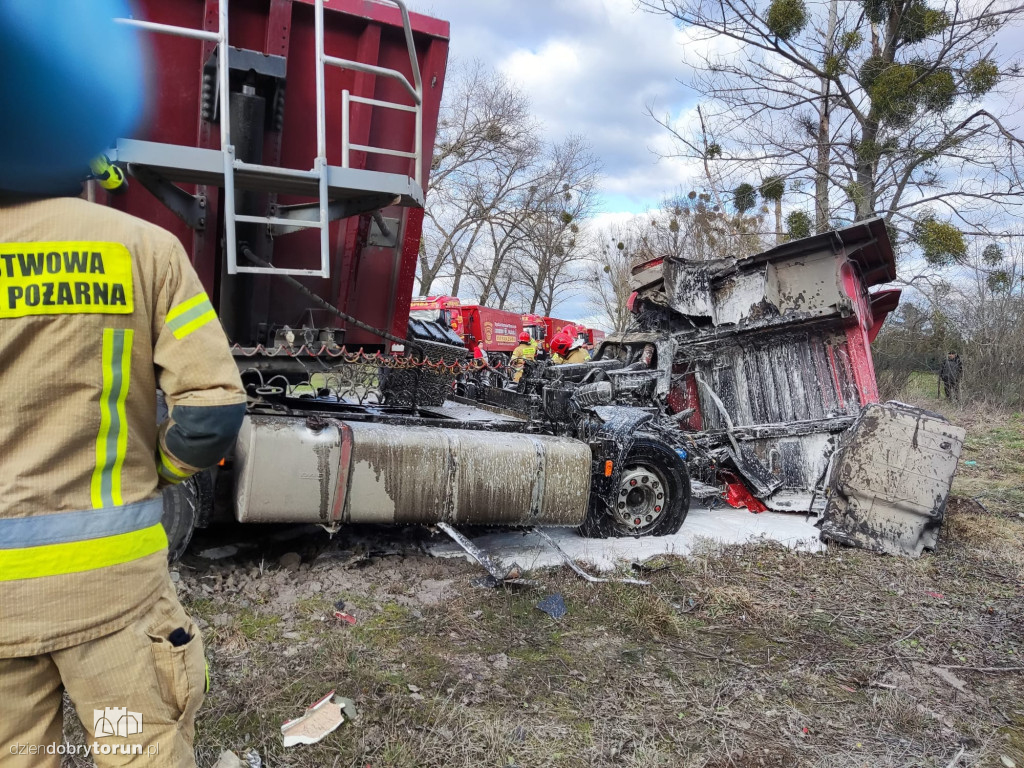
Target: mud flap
[(891, 480)]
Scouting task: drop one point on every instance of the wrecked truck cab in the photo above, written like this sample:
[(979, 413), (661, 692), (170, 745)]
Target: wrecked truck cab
[(773, 359), (773, 364)]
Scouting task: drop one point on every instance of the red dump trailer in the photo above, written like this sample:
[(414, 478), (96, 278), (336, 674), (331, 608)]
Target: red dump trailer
[(358, 102), (288, 145)]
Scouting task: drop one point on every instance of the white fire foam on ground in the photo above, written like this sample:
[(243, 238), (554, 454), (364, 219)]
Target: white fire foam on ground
[(719, 525)]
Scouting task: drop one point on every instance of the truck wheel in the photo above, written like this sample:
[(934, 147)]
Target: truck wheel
[(652, 497), (184, 504)]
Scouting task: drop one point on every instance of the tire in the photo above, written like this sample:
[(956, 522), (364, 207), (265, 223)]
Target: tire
[(184, 505), (649, 467)]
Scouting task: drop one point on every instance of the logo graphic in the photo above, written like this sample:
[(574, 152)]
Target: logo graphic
[(488, 331), (115, 721)]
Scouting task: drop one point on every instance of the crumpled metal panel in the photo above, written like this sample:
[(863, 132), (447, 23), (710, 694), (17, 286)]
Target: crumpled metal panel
[(891, 479)]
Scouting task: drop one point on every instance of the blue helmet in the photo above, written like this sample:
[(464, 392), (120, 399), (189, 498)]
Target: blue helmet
[(72, 83)]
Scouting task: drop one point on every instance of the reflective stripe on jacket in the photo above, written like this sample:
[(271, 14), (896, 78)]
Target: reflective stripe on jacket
[(525, 351), (84, 540), (97, 310)]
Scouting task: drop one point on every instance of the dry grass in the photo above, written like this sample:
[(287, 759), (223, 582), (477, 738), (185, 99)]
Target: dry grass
[(739, 657)]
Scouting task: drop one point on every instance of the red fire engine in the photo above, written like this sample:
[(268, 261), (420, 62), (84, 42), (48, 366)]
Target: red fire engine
[(494, 330)]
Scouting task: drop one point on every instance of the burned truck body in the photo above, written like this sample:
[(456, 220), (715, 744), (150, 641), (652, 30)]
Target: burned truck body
[(303, 216), (773, 359), (763, 366)]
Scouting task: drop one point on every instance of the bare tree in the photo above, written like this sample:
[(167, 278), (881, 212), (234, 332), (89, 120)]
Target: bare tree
[(486, 138), (552, 250), (615, 252), (975, 309), (881, 107)]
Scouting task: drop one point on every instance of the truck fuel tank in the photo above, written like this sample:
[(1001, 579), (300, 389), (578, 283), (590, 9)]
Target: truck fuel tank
[(327, 471)]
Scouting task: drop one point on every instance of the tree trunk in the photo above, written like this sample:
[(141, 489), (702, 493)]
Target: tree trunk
[(780, 236), (821, 210)]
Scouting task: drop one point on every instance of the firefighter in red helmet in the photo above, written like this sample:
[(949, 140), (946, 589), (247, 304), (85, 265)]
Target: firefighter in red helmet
[(568, 349)]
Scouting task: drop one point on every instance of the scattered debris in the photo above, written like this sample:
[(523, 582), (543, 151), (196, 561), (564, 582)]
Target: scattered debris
[(572, 564), (1007, 762), (228, 759), (348, 618), (723, 525), (513, 575), (414, 692), (936, 595), (553, 606), (218, 553), (341, 614), (320, 719)]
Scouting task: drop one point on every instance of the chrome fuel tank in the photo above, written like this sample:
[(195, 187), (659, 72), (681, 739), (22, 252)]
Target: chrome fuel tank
[(328, 471)]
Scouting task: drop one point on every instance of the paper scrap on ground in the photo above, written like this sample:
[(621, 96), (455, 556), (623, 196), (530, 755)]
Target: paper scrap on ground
[(320, 719), (721, 525)]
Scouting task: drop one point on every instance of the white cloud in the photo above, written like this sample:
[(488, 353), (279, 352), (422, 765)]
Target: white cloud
[(590, 67)]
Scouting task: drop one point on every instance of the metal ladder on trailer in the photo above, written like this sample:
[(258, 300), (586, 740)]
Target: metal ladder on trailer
[(197, 165)]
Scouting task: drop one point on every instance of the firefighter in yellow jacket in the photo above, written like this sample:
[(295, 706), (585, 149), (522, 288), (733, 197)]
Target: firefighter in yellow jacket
[(566, 349), (97, 310), (525, 350)]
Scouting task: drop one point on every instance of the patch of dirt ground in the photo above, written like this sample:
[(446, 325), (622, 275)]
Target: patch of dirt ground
[(735, 657)]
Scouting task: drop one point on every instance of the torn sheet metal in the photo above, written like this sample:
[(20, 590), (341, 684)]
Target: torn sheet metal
[(773, 361), (572, 564), (511, 574), (553, 606), (891, 480)]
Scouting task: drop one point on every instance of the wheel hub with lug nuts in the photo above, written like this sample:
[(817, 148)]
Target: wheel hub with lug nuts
[(641, 498)]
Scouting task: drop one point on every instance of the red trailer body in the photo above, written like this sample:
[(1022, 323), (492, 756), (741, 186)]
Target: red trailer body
[(272, 65)]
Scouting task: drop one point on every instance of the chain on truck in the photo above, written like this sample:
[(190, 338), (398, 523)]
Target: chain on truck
[(289, 150)]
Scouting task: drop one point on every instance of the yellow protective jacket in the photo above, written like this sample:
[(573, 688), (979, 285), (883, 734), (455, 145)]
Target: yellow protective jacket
[(525, 351), (97, 310), (578, 355)]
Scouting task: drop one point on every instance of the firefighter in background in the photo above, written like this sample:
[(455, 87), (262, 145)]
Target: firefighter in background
[(98, 310), (526, 349), (950, 374), (567, 349)]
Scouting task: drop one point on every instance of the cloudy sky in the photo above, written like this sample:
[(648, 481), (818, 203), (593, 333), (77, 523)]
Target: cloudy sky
[(595, 67), (590, 67)]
